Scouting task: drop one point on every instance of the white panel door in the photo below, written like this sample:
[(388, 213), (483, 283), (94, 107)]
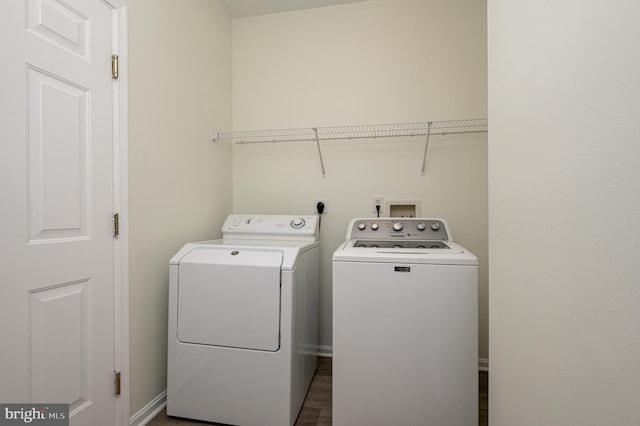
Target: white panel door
[(56, 170)]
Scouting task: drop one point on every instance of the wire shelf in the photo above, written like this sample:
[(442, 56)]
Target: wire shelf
[(367, 131)]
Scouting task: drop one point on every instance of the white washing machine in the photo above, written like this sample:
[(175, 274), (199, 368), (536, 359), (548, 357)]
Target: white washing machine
[(405, 330), (243, 322)]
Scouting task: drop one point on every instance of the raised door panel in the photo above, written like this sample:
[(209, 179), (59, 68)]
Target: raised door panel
[(58, 145), (61, 340)]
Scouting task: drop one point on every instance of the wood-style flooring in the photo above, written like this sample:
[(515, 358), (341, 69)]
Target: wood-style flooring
[(316, 410)]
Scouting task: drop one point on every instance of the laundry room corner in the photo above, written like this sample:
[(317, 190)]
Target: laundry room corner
[(355, 64), (193, 70), (179, 180)]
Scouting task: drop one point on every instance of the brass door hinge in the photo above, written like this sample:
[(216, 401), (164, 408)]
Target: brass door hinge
[(114, 66), (116, 225), (117, 383)]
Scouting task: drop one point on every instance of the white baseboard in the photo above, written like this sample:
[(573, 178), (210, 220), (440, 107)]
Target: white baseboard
[(324, 350), (483, 364), (149, 411)]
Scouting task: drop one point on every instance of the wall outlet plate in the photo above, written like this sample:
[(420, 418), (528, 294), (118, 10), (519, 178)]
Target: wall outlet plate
[(377, 200), (325, 201)]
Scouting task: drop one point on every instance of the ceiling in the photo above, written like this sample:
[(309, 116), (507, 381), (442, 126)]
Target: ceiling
[(246, 8)]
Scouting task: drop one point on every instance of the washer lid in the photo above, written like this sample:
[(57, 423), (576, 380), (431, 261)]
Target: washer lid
[(230, 297)]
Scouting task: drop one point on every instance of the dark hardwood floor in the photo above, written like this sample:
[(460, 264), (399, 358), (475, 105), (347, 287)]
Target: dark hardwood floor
[(483, 385), (316, 410)]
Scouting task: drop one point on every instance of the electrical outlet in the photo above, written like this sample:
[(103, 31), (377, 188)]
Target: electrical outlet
[(324, 201), (377, 200)]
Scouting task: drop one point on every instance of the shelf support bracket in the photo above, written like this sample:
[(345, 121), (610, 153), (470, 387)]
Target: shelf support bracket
[(315, 132), (426, 146)]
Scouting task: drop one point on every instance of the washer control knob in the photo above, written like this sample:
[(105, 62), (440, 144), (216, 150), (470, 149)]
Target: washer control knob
[(374, 226), (421, 226), (297, 223), (397, 226), (362, 226), (435, 226)]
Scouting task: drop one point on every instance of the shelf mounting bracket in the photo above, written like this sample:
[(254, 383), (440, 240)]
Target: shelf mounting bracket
[(315, 133), (426, 146)]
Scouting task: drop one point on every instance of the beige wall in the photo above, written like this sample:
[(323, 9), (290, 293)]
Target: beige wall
[(564, 185), (373, 62), (563, 163), (180, 182)]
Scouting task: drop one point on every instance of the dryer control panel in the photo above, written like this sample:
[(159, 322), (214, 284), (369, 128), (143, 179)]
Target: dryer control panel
[(400, 228), (285, 227)]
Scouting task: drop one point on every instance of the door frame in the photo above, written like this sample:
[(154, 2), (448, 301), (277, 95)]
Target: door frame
[(121, 206)]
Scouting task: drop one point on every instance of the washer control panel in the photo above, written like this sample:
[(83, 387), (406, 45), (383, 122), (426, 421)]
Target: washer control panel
[(430, 229)]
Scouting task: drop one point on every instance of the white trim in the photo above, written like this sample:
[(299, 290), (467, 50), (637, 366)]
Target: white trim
[(325, 350), (483, 364), (149, 411), (121, 206)]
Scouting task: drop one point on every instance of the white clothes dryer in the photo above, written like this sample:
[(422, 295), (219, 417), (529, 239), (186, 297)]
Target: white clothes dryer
[(405, 327), (243, 322)]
